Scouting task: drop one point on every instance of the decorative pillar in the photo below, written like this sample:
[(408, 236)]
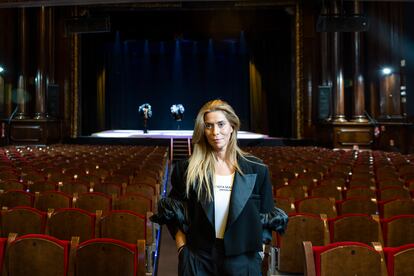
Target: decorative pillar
[(299, 69), (1, 95), (21, 83), (325, 68), (338, 82), (40, 80), (358, 80)]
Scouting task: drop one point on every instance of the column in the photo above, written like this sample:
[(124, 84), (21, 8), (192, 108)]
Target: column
[(358, 79), (22, 95), (338, 81), (40, 79)]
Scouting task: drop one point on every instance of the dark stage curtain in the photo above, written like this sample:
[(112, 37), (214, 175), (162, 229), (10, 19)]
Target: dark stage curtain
[(162, 73)]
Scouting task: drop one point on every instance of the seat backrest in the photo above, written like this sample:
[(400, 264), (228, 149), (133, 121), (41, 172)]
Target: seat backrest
[(37, 255), (400, 260), (383, 183), (94, 201), (123, 225), (389, 193), (14, 198), (398, 230), (327, 191), (22, 220), (108, 188), (317, 205), (301, 227), (395, 207), (365, 192), (134, 202), (101, 257), (7, 185), (42, 186), (357, 206), (52, 200), (142, 188), (72, 187), (66, 223), (344, 258), (286, 204), (356, 228), (295, 191)]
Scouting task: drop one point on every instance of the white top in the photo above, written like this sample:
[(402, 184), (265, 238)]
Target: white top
[(223, 184)]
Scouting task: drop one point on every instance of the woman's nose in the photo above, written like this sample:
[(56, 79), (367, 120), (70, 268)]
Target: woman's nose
[(216, 130)]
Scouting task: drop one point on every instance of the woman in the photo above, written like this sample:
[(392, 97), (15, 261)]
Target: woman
[(220, 209)]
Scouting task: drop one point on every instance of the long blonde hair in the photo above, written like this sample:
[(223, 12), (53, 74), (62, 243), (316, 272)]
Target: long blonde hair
[(201, 163)]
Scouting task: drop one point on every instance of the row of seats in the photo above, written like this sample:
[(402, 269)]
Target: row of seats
[(300, 192), (43, 255), (91, 201), (78, 186), (353, 258), (318, 164), (65, 223), (320, 230), (84, 164), (92, 192), (358, 205)]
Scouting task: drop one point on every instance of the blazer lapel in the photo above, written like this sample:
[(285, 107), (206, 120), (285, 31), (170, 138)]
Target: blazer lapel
[(242, 188), (208, 206)]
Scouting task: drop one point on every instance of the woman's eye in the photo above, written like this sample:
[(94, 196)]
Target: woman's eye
[(221, 125)]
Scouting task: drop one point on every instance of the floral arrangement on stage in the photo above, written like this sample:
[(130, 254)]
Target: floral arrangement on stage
[(177, 111), (145, 110)]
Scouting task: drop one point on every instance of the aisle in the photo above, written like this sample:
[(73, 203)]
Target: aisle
[(168, 259)]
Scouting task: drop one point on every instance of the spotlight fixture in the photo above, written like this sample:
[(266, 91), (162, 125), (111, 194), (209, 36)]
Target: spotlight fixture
[(1, 69)]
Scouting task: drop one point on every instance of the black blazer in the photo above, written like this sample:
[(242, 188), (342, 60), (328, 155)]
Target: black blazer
[(251, 195)]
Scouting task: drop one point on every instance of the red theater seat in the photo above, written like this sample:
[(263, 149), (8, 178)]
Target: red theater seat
[(102, 257), (343, 258), (400, 260), (37, 255)]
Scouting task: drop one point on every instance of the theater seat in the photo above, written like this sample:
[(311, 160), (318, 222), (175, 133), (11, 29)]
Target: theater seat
[(37, 255), (22, 220), (398, 230), (400, 260), (301, 227), (344, 258), (102, 257), (356, 228), (66, 223)]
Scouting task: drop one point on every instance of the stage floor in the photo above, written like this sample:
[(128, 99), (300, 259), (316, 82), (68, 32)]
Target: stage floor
[(165, 134)]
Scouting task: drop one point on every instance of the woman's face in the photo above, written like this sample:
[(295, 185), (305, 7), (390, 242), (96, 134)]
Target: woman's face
[(217, 130)]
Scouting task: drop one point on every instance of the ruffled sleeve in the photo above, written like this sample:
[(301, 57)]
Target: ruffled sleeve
[(171, 212), (275, 220)]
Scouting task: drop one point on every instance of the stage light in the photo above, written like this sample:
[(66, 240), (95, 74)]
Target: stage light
[(386, 70), (1, 69)]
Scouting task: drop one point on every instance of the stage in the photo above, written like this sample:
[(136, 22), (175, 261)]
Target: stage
[(163, 137), (166, 134)]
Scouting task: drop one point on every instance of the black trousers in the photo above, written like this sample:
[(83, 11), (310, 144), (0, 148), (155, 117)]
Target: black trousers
[(193, 262)]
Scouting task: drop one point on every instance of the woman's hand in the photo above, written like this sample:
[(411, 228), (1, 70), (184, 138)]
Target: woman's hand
[(180, 241)]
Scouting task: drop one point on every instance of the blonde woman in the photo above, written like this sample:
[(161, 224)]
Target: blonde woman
[(220, 209)]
